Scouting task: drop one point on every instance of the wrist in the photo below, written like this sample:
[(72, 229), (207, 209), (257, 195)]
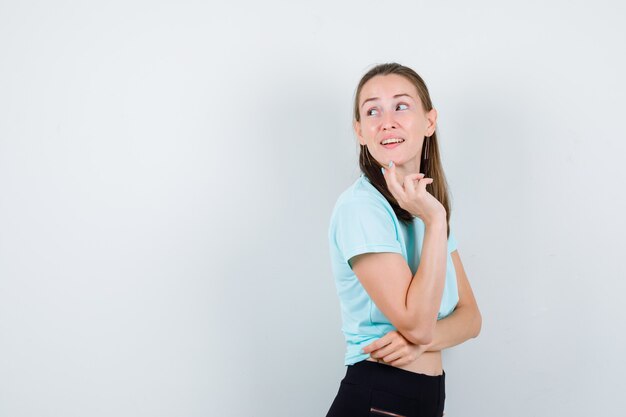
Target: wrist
[(437, 221)]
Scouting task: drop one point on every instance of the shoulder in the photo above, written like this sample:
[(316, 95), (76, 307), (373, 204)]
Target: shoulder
[(361, 193), (363, 221), (362, 207)]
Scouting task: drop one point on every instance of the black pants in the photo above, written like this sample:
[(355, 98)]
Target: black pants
[(372, 389)]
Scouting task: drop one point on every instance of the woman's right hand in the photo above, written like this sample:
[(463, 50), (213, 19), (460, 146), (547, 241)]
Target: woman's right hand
[(413, 196), (394, 349)]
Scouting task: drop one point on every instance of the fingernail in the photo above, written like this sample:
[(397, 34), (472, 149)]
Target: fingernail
[(390, 164), (383, 170)]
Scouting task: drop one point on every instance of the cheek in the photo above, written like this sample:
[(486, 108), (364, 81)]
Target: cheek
[(372, 128), (370, 125), (407, 119)]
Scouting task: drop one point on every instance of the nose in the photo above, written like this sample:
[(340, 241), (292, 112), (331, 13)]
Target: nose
[(388, 121)]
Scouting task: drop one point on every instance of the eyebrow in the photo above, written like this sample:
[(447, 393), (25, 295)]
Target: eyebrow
[(378, 98)]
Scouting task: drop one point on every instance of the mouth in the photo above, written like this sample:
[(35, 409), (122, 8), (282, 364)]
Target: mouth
[(391, 143)]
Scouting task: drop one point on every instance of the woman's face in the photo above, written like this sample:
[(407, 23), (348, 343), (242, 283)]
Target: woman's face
[(393, 122)]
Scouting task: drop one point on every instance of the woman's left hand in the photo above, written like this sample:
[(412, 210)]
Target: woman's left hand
[(394, 349)]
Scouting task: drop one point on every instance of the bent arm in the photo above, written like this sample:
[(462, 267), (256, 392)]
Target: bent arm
[(465, 321), (410, 302)]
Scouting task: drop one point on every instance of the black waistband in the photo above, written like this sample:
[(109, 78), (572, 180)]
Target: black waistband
[(389, 378)]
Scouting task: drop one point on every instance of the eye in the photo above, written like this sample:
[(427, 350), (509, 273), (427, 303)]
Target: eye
[(402, 106), (372, 112)]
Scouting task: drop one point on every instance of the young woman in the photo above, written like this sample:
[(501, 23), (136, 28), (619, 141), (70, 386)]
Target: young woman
[(403, 292)]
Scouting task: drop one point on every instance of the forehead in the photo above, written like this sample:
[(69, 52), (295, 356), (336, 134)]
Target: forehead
[(387, 86)]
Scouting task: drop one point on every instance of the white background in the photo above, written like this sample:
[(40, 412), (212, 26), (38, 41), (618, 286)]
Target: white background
[(168, 169)]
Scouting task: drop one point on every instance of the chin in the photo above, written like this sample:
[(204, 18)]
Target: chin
[(401, 159)]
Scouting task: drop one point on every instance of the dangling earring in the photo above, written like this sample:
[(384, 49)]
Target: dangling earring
[(425, 154)]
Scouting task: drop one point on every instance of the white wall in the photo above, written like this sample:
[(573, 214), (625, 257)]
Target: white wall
[(167, 172)]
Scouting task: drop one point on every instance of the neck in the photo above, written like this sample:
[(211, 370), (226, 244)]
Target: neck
[(408, 168)]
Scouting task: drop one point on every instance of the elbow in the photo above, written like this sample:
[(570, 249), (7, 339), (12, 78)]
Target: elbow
[(419, 330), (424, 339), (478, 324), (419, 335)]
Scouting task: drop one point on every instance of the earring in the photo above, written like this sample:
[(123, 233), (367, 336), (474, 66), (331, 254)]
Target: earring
[(424, 167)]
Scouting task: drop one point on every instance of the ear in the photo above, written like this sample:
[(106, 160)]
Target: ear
[(357, 131), (431, 117)]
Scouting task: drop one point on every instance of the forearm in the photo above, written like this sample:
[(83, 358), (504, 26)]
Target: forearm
[(464, 323), (426, 288)]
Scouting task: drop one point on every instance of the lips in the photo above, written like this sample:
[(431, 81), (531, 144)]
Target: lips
[(391, 140)]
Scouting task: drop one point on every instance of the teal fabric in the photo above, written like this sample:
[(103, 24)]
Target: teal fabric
[(363, 221)]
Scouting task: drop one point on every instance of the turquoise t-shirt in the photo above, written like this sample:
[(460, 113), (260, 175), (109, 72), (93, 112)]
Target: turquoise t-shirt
[(363, 221)]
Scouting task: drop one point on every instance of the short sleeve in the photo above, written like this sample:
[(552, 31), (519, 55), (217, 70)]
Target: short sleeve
[(362, 226), (451, 241)]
